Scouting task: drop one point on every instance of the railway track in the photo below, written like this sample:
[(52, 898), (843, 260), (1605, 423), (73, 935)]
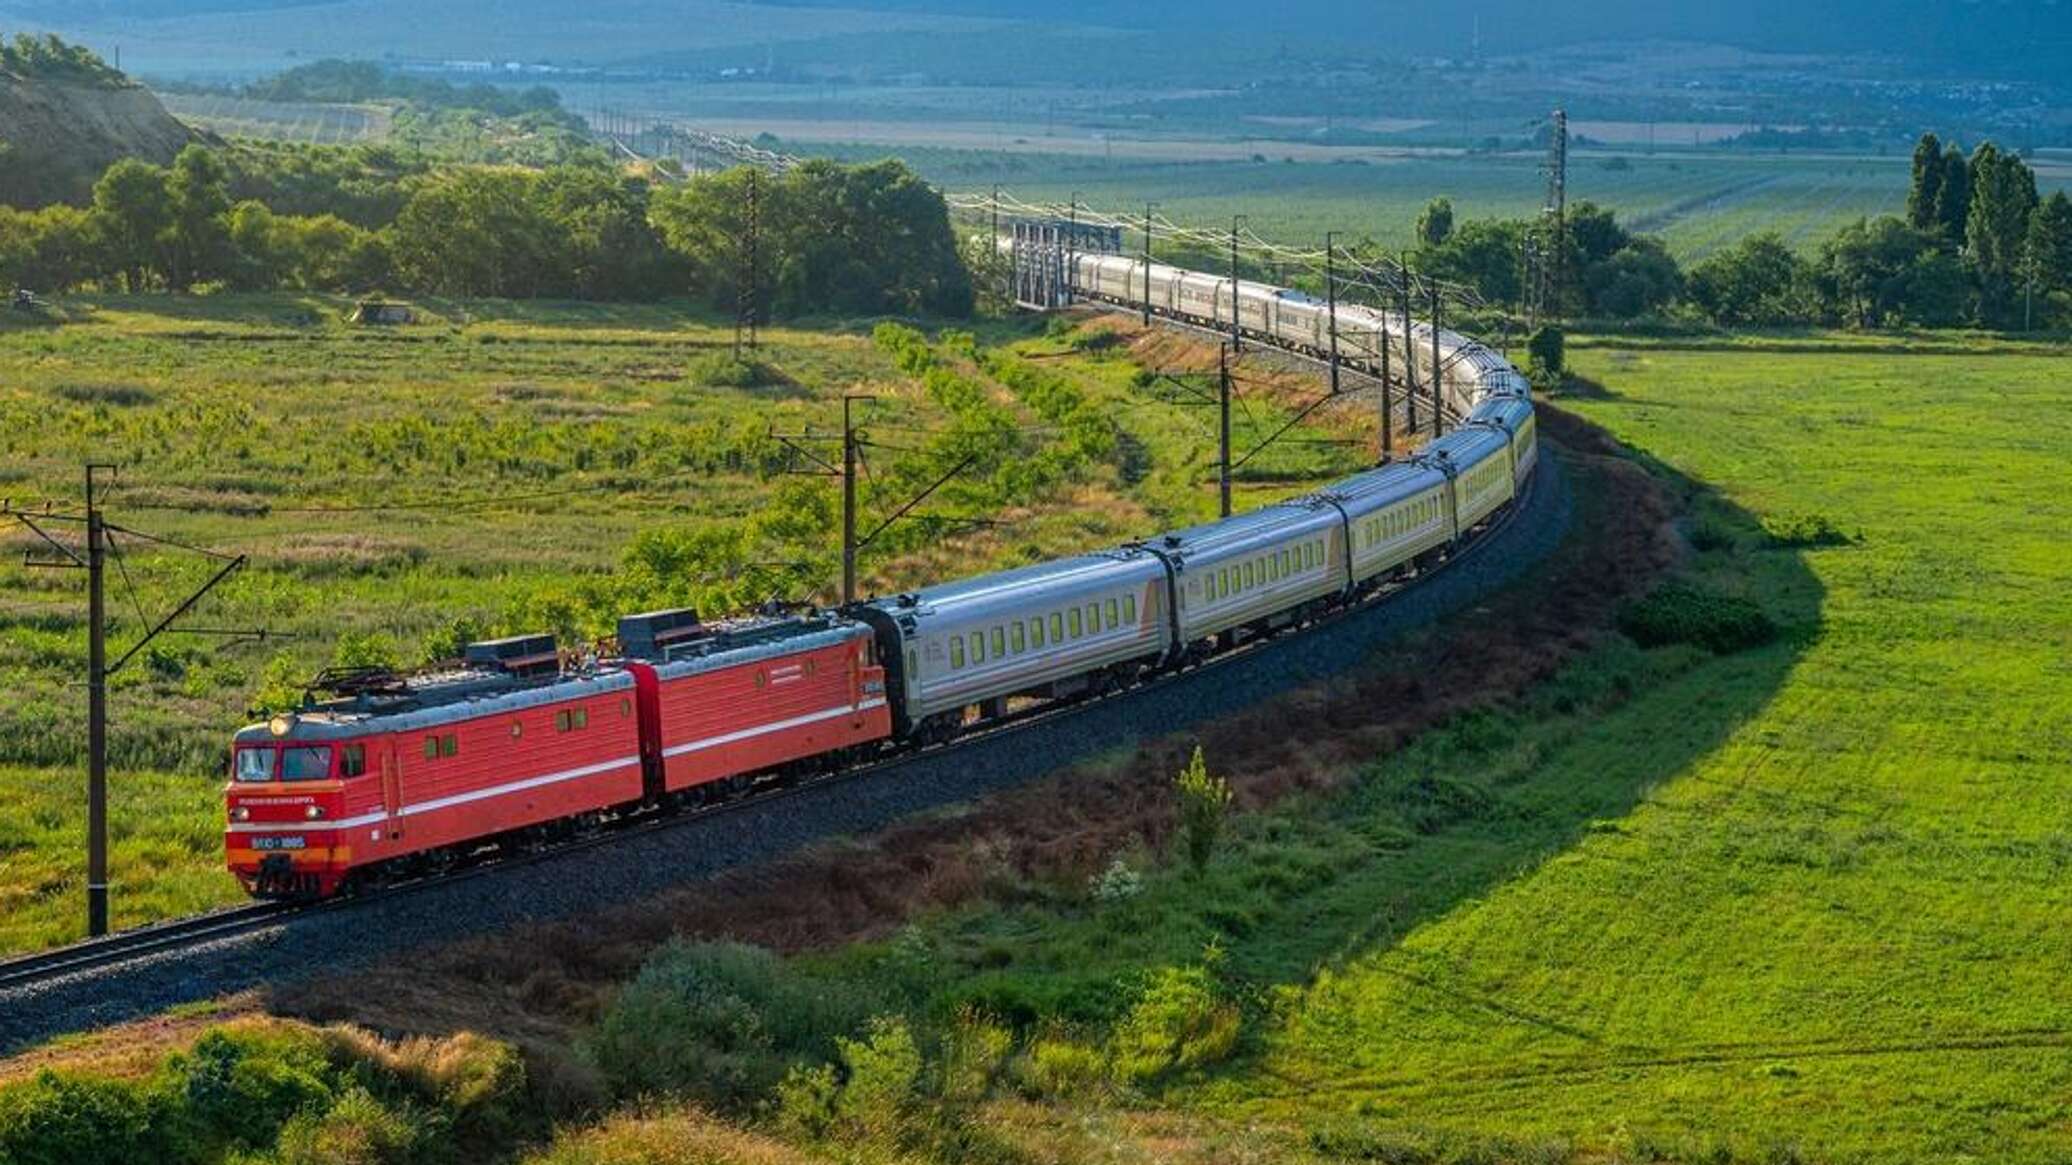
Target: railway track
[(165, 940)]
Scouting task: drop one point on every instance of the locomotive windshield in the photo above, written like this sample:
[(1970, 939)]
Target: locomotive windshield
[(255, 765)]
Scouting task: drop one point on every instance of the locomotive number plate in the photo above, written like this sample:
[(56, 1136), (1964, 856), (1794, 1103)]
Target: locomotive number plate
[(279, 842)]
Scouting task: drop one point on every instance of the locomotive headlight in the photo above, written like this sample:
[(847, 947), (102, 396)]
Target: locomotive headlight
[(281, 725), (240, 814), (313, 812)]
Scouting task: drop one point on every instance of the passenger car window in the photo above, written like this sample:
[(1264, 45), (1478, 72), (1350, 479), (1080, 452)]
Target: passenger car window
[(978, 647), (1093, 618), (999, 642), (1057, 627), (1114, 609), (1021, 638), (1129, 608), (956, 651), (1036, 631), (1075, 622)]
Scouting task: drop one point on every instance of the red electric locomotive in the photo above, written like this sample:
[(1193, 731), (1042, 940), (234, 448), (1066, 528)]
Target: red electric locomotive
[(398, 773)]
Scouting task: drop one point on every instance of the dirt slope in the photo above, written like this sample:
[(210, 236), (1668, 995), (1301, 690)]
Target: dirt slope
[(61, 136)]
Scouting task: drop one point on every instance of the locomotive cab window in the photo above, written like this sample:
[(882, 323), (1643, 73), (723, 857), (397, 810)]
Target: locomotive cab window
[(352, 760), (305, 764), (254, 764)]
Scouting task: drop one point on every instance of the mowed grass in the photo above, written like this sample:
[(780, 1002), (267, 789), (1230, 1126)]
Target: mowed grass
[(1819, 902), (527, 444)]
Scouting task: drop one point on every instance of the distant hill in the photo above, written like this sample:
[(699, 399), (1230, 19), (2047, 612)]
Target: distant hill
[(65, 116)]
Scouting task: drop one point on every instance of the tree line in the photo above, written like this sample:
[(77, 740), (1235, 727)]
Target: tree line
[(863, 239), (1975, 246), (47, 58)]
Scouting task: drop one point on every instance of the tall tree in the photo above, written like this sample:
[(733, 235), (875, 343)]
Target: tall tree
[(1953, 196), (2003, 194), (131, 211), (1758, 281), (1436, 222), (1927, 184), (2047, 254), (198, 246)]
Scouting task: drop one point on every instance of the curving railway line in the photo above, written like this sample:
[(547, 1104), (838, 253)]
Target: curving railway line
[(1460, 502)]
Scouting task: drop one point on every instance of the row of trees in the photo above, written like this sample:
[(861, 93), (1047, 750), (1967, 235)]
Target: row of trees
[(46, 58), (1976, 245), (864, 239)]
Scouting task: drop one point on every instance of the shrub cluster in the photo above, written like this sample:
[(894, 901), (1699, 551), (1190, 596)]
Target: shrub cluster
[(290, 1094), (1679, 612)]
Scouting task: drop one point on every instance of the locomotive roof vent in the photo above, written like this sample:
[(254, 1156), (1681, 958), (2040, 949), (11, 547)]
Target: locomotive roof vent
[(519, 655), (650, 635)]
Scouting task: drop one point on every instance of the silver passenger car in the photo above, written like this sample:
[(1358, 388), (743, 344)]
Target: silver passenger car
[(1255, 567), (1041, 630), (1393, 514)]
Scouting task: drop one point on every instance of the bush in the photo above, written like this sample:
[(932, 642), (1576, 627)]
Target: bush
[(1179, 1023), (674, 1138), (237, 1090), (1058, 1067), (357, 1130), (1684, 613), (882, 1072), (1118, 883), (1805, 531), (726, 370), (720, 1022), (67, 1120), (1204, 802), (973, 1051), (1547, 351)]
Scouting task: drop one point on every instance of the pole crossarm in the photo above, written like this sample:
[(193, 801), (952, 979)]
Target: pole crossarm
[(923, 496), (229, 568)]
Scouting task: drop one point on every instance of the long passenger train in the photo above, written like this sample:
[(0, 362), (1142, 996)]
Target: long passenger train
[(515, 745)]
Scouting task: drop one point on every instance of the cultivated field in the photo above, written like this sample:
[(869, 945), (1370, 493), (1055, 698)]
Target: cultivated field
[(279, 121), (530, 447)]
